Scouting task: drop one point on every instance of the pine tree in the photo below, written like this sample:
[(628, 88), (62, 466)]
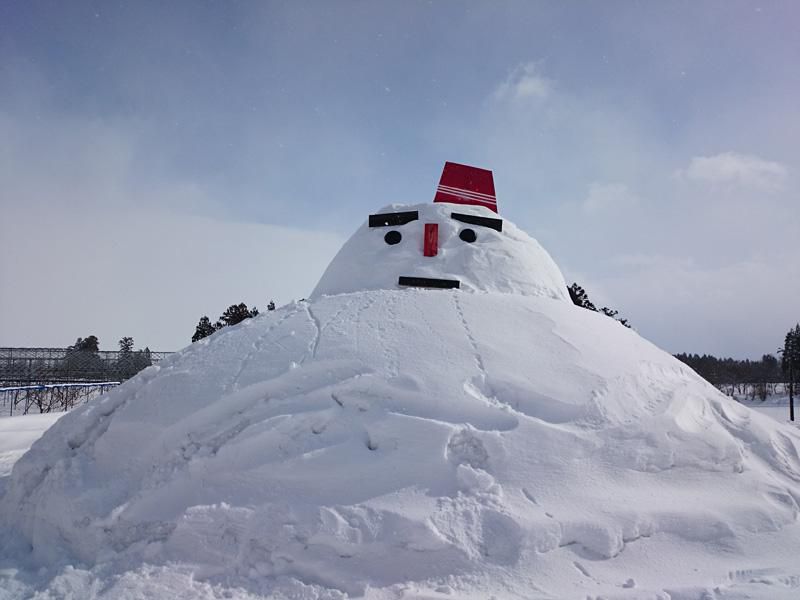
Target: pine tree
[(580, 298), (790, 363), (82, 361), (126, 345), (88, 344), (204, 329), (142, 359), (235, 314), (125, 366), (609, 312), (613, 314)]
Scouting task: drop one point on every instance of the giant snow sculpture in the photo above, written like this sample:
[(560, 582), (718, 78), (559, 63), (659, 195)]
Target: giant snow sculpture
[(389, 440)]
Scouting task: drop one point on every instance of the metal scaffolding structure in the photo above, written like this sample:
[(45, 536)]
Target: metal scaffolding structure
[(57, 379), (33, 366)]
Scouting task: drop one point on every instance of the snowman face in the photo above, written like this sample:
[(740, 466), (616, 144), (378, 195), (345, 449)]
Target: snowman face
[(441, 245), (393, 221)]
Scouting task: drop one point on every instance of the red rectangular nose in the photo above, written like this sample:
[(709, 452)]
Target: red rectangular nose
[(431, 246)]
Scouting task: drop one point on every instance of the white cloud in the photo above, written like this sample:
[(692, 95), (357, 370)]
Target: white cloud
[(87, 163), (147, 273), (734, 168), (686, 306), (524, 82), (99, 241), (608, 198)]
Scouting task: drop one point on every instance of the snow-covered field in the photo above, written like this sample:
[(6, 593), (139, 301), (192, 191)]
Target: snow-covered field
[(16, 436), (776, 407), (384, 443)]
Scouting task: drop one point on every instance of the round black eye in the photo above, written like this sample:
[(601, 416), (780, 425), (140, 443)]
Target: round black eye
[(392, 238), (468, 235)]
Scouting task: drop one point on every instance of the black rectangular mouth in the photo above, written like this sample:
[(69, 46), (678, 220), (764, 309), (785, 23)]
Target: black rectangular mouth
[(429, 282), (393, 219)]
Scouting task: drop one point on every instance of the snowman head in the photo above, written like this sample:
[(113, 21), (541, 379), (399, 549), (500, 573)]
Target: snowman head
[(457, 242)]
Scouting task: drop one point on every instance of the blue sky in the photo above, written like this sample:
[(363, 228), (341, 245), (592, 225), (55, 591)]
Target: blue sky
[(153, 149)]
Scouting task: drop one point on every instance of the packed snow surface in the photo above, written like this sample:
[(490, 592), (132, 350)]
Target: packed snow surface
[(411, 443)]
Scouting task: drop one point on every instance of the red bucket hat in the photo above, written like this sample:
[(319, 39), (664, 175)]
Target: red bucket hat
[(462, 184)]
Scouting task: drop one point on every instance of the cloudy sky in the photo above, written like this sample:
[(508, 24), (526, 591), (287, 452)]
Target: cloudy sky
[(159, 161)]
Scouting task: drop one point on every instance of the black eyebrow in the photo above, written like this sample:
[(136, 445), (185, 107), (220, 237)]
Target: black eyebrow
[(389, 219), (496, 224)]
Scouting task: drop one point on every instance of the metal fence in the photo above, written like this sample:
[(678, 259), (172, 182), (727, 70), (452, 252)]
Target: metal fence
[(57, 379), (56, 397), (29, 366)]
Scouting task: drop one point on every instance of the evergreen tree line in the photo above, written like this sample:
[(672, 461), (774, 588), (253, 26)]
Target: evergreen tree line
[(234, 314), (721, 371), (762, 375)]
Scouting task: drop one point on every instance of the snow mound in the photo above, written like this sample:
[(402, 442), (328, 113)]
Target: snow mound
[(507, 261), (417, 443)]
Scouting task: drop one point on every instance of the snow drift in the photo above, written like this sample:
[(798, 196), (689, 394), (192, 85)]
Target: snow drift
[(388, 443)]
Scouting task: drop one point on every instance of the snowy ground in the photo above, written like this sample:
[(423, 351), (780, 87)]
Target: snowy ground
[(16, 436), (776, 407)]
